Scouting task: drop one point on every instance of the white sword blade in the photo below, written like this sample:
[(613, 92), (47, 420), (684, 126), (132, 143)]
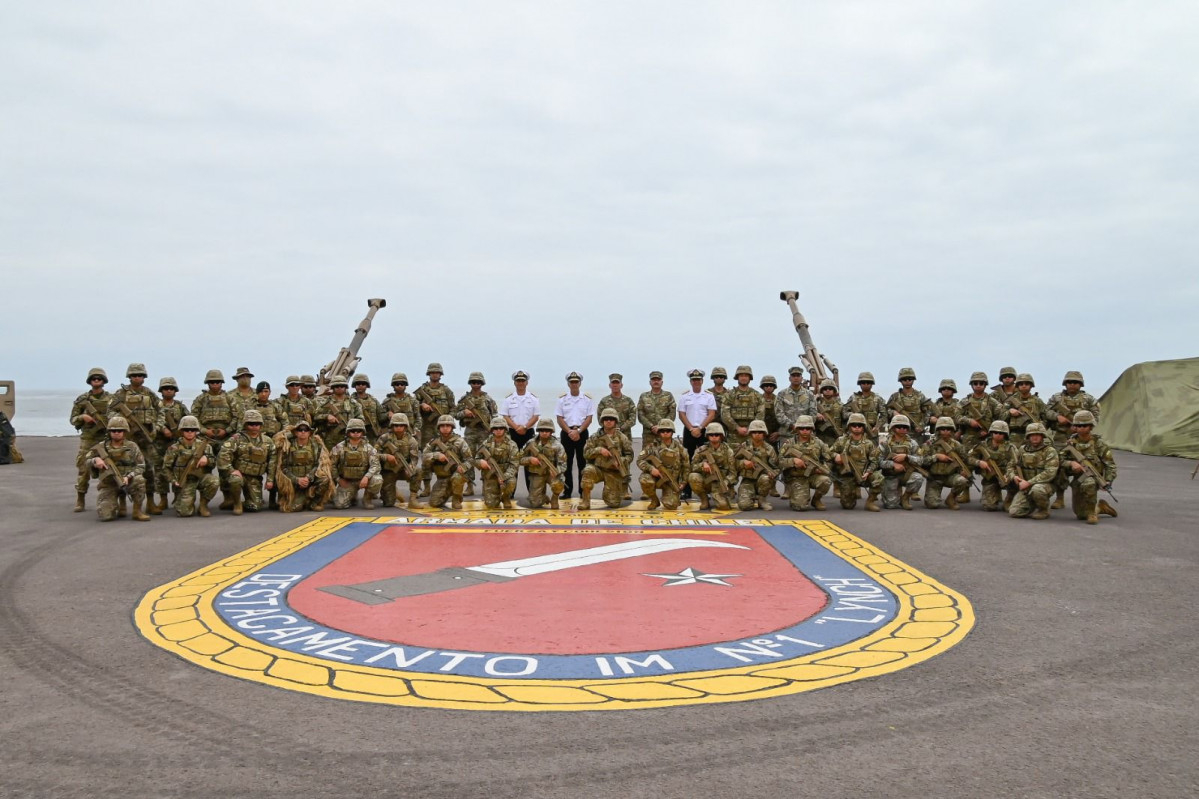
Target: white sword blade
[(586, 557)]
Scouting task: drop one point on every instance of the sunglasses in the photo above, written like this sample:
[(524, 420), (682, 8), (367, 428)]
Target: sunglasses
[(906, 379), (253, 424), (401, 383), (475, 383)]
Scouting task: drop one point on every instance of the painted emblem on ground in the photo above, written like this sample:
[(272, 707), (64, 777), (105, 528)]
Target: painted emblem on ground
[(534, 611)]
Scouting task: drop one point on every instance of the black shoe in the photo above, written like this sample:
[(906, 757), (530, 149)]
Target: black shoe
[(686, 495), (564, 495)]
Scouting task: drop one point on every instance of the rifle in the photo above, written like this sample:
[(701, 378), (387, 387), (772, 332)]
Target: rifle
[(832, 420), (772, 474), (194, 462), (480, 413), (1073, 452), (965, 469), (427, 399), (991, 457), (657, 464), (853, 467), (909, 464), (95, 414), (548, 462), (390, 449), (437, 442), (489, 459), (341, 423), (711, 459), (112, 470), (620, 464), (1014, 399)]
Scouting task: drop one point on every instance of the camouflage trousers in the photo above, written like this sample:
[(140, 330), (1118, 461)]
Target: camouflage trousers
[(109, 495), (992, 495), (185, 495), (753, 489), (1036, 498), (474, 436), (938, 482), (613, 481), (345, 494), (389, 493), (160, 485), (538, 483), (446, 487), (735, 440), (153, 460), (495, 491), (308, 498), (1084, 495), (848, 487), (671, 495), (895, 485), (802, 490), (247, 486), (84, 478), (704, 484)]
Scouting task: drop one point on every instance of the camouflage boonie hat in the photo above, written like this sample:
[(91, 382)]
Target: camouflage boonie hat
[(118, 423), (865, 377), (907, 371), (252, 417), (1024, 377), (901, 421), (242, 371), (979, 377), (695, 374), (214, 376), (96, 371), (608, 413), (768, 380), (434, 367), (168, 382), (948, 383), (804, 422), (339, 380), (544, 424), (720, 371), (499, 423), (795, 370), (189, 423), (136, 369), (944, 422), (399, 419), (758, 426), (355, 424), (476, 377), (292, 380), (616, 377), (307, 380), (520, 374), (664, 424), (262, 385), (744, 369), (1083, 417), (999, 426), (1072, 375), (361, 378), (302, 424), (1036, 428), (827, 383), (445, 418), (1007, 371), (714, 429), (856, 418), (399, 377), (655, 375)]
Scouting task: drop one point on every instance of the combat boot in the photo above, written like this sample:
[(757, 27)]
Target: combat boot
[(456, 502), (722, 501), (1038, 514), (836, 491), (152, 506), (121, 507), (508, 503), (424, 489), (1059, 502), (202, 507), (139, 515), (872, 502), (226, 501), (816, 503), (905, 500), (764, 505), (237, 506), (1106, 509), (554, 501), (79, 497), (1092, 518), (964, 496), (653, 502), (414, 502), (585, 501), (704, 504), (368, 501), (951, 501)]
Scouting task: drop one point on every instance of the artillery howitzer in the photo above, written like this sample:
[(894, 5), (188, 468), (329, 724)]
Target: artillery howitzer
[(819, 367), (347, 360)]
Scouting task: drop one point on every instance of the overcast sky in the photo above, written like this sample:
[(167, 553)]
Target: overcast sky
[(598, 186)]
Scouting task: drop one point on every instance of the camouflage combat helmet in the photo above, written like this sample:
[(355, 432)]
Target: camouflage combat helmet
[(609, 413), (768, 380), (907, 371), (399, 377), (499, 423), (758, 426), (948, 382), (795, 370), (1083, 417), (979, 377), (827, 383), (1072, 375), (242, 371), (901, 421), (339, 380), (445, 418), (944, 422), (545, 424), (865, 377), (434, 367), (719, 371), (292, 380), (361, 378), (399, 419), (214, 376), (857, 418), (714, 429), (804, 422), (355, 424), (254, 417), (168, 382), (118, 423), (96, 371), (1008, 371), (307, 380), (1025, 377), (1036, 428), (189, 423), (743, 369), (999, 426), (136, 369), (476, 376), (664, 424)]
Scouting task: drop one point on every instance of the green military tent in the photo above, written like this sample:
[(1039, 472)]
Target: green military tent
[(1153, 408)]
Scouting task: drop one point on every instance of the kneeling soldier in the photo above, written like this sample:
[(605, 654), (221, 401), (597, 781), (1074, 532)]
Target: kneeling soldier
[(244, 458), (498, 460), (857, 456), (757, 464), (946, 466), (446, 457), (304, 476), (544, 460), (1036, 471), (901, 465), (187, 466), (120, 467), (714, 469), (1087, 460), (399, 459), (608, 454), (663, 466), (805, 459), (995, 459), (355, 465)]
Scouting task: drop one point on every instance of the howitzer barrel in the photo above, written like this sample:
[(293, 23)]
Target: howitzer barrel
[(819, 367), (347, 360)]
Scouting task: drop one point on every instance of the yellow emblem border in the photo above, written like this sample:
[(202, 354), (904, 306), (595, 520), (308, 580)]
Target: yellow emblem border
[(179, 617)]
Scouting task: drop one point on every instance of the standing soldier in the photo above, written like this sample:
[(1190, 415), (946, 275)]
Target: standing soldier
[(946, 461), (215, 413), (768, 385), (1035, 472), (1061, 409), (663, 464), (1023, 408), (400, 401), (498, 459), (166, 432), (793, 402), (370, 406), (120, 467), (544, 460), (1087, 461), (271, 424), (740, 406), (89, 415), (336, 412), (355, 465), (758, 466), (474, 413), (856, 456), (243, 460), (303, 473), (293, 407), (243, 397), (187, 467), (608, 454), (436, 400), (652, 406), (978, 410), (399, 459), (828, 413), (912, 404), (901, 465), (139, 406), (714, 470), (718, 390), (995, 459), (446, 456), (946, 404), (626, 412), (805, 461), (865, 402), (1007, 384), (308, 391), (697, 410)]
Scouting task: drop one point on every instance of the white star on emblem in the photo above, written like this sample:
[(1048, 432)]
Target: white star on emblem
[(689, 576)]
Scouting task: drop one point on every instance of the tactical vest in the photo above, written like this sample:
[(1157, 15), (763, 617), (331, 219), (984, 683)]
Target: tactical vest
[(742, 404), (1033, 461), (215, 411), (905, 447), (1080, 401), (810, 452), (1000, 457), (252, 457), (141, 407), (859, 452), (910, 405), (294, 410), (868, 407), (830, 409), (124, 456), (354, 463), (937, 446), (270, 420), (977, 408), (770, 416), (440, 398), (171, 415), (100, 404), (303, 459)]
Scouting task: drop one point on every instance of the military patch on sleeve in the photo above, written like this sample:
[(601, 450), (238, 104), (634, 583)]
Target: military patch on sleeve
[(556, 612)]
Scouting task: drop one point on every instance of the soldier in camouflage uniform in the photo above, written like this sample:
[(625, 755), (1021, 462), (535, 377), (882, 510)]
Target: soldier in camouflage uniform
[(869, 404), (242, 462), (447, 457), (652, 406), (946, 459), (1035, 472), (664, 466), (399, 459), (856, 457), (89, 415), (1007, 385), (1060, 411), (370, 407), (139, 406), (793, 402), (544, 459), (757, 465), (1023, 408), (995, 459), (187, 466), (215, 412), (1082, 450), (718, 390), (806, 466), (474, 413), (498, 460), (271, 424), (714, 470), (333, 417), (119, 466), (828, 413), (355, 465), (303, 473), (436, 400), (243, 397), (400, 401), (293, 407), (740, 406), (901, 464), (768, 385), (946, 404), (308, 391), (608, 454), (626, 413), (166, 427), (912, 404), (978, 410)]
